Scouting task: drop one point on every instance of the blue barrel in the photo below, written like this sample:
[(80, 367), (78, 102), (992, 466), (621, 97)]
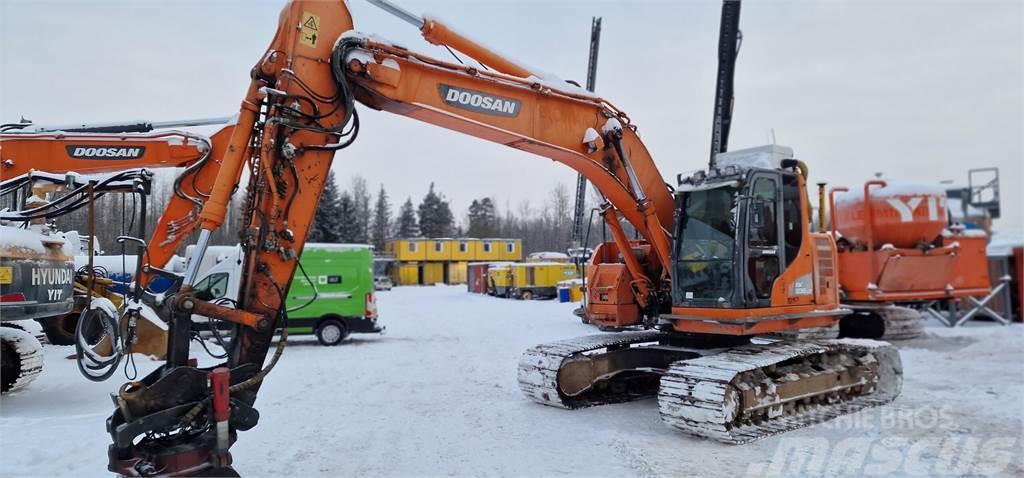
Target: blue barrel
[(563, 294)]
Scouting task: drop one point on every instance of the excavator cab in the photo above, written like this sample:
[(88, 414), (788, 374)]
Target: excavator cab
[(743, 258), (734, 235)]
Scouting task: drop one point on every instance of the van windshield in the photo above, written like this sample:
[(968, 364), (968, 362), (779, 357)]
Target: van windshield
[(706, 239)]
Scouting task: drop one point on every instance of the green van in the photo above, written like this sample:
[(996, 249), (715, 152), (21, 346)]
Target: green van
[(332, 299)]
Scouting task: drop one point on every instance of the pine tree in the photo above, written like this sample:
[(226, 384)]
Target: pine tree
[(348, 223), (406, 225), (326, 221), (381, 220), (435, 215), (482, 218), (361, 208)]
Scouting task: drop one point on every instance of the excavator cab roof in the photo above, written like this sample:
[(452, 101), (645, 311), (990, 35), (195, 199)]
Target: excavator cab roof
[(735, 166)]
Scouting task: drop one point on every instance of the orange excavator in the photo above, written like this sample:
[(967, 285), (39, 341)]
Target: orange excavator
[(28, 150), (93, 148), (725, 257), (897, 252)]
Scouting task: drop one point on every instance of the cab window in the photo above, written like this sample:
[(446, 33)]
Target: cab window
[(215, 284), (763, 237)]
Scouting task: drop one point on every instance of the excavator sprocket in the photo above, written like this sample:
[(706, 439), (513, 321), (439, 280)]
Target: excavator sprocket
[(762, 389), (569, 373)]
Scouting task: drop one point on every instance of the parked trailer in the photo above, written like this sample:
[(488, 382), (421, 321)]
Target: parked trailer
[(499, 280), (476, 276), (539, 280)]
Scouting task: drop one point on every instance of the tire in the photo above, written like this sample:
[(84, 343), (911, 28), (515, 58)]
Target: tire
[(21, 358), (526, 295), (10, 362), (331, 332), (60, 330)]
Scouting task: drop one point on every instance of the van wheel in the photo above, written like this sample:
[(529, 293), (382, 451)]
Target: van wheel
[(331, 332), (526, 295)]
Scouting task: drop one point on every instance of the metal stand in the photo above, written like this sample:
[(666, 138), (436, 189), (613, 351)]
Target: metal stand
[(956, 315)]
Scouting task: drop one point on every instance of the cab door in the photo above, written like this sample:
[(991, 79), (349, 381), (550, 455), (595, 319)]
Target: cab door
[(764, 228)]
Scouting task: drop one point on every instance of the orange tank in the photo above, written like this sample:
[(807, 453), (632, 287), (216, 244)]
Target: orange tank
[(900, 213)]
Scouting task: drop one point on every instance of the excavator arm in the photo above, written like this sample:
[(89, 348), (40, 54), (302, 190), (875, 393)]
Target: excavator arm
[(299, 110), (89, 153)]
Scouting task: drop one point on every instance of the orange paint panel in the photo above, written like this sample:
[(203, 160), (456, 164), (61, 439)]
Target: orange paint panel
[(916, 273), (765, 326)]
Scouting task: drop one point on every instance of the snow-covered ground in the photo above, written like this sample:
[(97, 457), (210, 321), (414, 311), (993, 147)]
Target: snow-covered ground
[(437, 395)]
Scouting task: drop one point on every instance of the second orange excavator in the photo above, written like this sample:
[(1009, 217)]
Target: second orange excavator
[(898, 251)]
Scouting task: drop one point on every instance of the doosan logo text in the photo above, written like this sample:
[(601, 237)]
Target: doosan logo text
[(479, 102), (106, 152)]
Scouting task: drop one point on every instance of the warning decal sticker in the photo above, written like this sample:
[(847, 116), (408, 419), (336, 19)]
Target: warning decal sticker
[(309, 29)]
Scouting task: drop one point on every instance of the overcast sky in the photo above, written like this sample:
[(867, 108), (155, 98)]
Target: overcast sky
[(914, 89)]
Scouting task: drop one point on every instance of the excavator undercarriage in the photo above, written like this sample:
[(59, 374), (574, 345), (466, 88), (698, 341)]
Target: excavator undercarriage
[(732, 390)]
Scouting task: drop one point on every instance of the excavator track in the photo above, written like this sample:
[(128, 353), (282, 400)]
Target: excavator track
[(810, 333), (884, 322), (901, 323), (22, 359), (543, 371), (759, 390)]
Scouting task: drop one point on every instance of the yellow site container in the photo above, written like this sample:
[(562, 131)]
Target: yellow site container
[(537, 280), (408, 249), (548, 257), (465, 249), (489, 250), (456, 273), (433, 272), (406, 273), (510, 249), (439, 249), (499, 280)]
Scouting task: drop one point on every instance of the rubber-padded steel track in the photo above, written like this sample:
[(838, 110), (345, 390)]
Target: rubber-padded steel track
[(538, 368), (695, 396)]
